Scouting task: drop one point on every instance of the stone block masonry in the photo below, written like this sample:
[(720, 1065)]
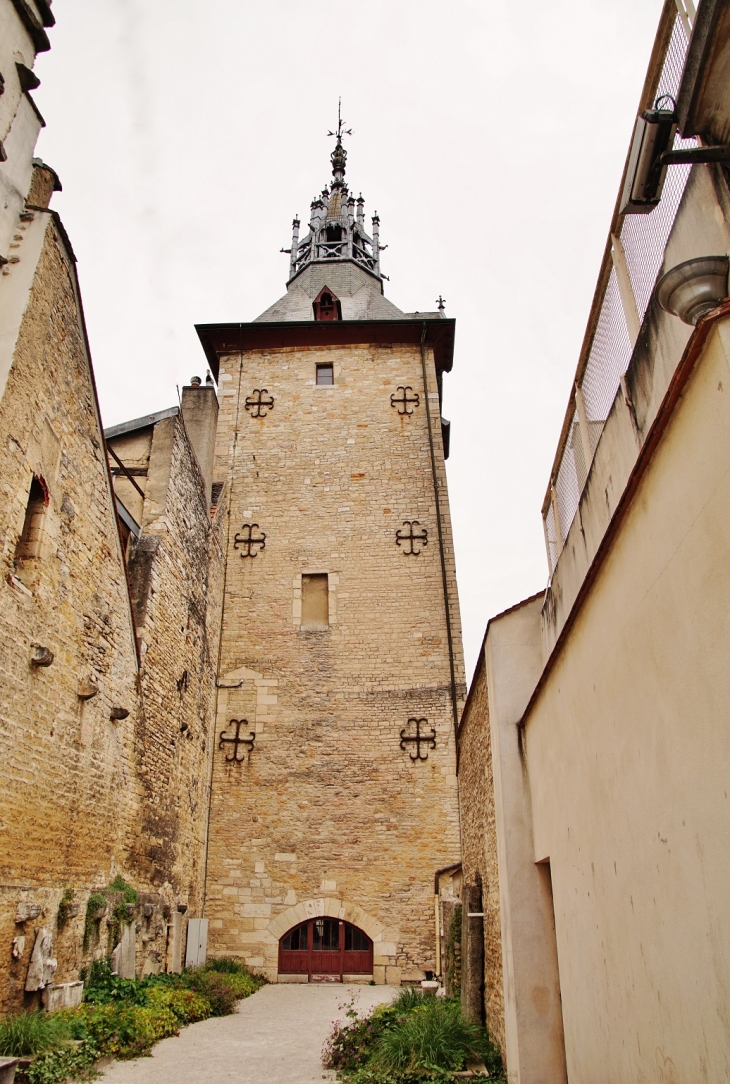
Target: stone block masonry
[(327, 814), (86, 796), (66, 769), (482, 984)]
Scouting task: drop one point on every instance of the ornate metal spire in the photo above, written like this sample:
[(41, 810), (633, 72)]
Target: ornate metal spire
[(339, 154), (337, 222)]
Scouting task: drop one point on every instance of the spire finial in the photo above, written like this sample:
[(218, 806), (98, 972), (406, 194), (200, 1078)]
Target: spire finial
[(340, 122), (339, 154)]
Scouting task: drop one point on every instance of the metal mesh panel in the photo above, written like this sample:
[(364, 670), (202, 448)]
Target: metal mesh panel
[(551, 538), (645, 237), (567, 485), (609, 356)]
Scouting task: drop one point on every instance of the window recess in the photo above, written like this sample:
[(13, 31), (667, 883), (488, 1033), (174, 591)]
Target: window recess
[(29, 543), (315, 601)]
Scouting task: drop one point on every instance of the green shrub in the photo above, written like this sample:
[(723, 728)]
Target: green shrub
[(122, 1030), (64, 907), (245, 985), (408, 999), (413, 1039), (103, 986), (29, 1033), (218, 988), (187, 1005), (228, 965), (95, 902), (432, 1035), (130, 895), (73, 1062)]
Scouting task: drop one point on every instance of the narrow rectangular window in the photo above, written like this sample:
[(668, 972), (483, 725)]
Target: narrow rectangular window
[(325, 374), (315, 601), (29, 543)]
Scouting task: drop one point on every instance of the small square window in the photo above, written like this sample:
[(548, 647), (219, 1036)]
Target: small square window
[(325, 374)]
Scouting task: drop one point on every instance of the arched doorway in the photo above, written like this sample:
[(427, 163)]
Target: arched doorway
[(325, 950)]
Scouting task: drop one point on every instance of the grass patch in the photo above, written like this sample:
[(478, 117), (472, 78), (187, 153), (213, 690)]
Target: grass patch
[(413, 1039), (30, 1033)]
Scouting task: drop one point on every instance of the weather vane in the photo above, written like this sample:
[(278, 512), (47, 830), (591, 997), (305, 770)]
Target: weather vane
[(340, 130)]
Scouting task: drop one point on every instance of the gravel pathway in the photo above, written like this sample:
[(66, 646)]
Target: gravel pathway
[(276, 1037)]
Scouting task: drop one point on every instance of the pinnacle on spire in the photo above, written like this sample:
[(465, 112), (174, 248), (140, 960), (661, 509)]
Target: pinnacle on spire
[(339, 154)]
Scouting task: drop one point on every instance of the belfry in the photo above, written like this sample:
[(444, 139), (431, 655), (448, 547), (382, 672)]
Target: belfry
[(340, 673)]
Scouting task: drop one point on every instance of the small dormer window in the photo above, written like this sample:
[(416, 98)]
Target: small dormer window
[(326, 306)]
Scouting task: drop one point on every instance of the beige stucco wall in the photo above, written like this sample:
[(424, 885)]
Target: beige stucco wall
[(627, 753), (328, 807)]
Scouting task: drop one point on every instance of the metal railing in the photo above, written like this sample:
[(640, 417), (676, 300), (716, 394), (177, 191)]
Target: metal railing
[(632, 260)]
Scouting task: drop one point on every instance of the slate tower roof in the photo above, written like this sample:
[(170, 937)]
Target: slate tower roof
[(337, 254)]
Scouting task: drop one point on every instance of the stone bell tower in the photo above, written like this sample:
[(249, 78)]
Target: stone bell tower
[(340, 673)]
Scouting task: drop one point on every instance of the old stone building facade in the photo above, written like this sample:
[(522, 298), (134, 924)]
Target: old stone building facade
[(231, 652), (340, 637), (109, 620)]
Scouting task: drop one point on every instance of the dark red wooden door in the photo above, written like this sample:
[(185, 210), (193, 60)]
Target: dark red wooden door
[(325, 949)]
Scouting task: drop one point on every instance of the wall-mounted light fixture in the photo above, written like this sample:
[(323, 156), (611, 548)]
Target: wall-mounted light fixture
[(652, 152), (694, 287)]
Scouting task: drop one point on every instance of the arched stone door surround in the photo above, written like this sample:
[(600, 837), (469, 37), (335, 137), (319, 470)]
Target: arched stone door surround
[(384, 938)]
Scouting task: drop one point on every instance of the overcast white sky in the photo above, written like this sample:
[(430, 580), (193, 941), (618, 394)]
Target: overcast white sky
[(490, 137)]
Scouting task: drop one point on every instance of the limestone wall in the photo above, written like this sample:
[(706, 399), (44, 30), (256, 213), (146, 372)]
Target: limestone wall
[(67, 772), (479, 857), (328, 814), (85, 797), (176, 573)]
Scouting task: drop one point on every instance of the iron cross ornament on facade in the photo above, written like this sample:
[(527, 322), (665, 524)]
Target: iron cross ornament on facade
[(418, 739), (402, 403), (237, 742), (259, 402), (411, 537), (249, 540)]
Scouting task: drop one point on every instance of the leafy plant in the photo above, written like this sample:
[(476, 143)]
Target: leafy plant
[(187, 1005), (94, 904), (415, 1038), (432, 1035), (227, 965), (131, 895), (453, 954), (29, 1033), (216, 987), (121, 1029), (75, 1062), (103, 986), (64, 908)]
